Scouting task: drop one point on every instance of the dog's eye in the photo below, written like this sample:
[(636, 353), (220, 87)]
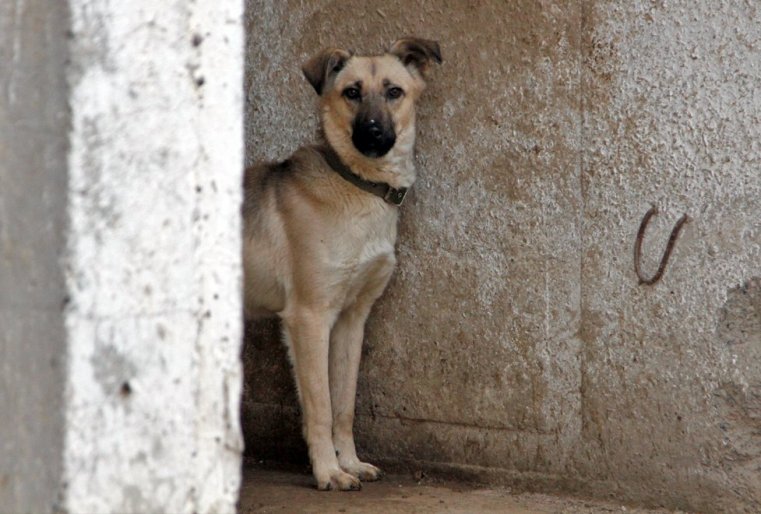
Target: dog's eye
[(394, 93), (352, 93)]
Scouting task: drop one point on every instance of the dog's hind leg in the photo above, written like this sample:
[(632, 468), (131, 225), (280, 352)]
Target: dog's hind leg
[(307, 334)]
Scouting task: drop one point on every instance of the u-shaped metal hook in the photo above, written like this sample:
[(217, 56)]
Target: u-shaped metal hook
[(666, 254)]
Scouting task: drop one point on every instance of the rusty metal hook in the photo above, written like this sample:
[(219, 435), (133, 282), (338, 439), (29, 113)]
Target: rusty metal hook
[(666, 254)]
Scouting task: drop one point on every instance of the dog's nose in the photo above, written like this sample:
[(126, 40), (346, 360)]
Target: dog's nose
[(371, 137), (374, 129)]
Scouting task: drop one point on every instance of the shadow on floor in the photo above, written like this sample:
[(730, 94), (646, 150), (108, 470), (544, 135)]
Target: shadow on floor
[(268, 491)]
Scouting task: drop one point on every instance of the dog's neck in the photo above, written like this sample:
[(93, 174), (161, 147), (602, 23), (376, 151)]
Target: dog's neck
[(396, 168)]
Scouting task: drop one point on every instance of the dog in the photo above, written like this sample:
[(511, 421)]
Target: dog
[(319, 231)]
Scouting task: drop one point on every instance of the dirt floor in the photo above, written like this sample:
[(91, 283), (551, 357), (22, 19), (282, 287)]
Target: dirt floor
[(266, 491)]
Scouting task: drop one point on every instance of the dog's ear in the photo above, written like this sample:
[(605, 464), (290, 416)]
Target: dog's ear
[(416, 52), (322, 67)]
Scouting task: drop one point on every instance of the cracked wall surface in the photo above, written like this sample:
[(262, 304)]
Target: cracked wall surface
[(121, 147), (514, 342)]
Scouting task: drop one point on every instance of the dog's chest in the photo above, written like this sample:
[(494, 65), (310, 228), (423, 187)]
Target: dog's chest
[(363, 254)]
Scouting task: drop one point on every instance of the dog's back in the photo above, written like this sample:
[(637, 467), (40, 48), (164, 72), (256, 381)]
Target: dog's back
[(266, 249), (264, 238)]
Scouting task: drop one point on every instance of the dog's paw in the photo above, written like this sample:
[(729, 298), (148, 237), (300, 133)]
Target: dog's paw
[(364, 471), (337, 480)]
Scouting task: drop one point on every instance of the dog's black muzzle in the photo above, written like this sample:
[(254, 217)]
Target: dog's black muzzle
[(372, 138)]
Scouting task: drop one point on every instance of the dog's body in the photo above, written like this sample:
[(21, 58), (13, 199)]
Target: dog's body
[(319, 237)]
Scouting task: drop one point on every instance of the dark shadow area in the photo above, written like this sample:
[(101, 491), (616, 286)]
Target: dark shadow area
[(269, 406)]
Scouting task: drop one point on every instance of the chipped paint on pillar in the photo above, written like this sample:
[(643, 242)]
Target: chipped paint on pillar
[(153, 267)]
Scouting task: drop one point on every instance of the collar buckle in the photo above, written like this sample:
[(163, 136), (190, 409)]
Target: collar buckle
[(395, 196)]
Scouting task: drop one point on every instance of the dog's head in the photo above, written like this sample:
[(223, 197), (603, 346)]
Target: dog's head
[(368, 103)]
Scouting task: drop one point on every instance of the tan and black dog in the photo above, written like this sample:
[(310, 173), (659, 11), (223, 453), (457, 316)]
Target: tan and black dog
[(319, 234)]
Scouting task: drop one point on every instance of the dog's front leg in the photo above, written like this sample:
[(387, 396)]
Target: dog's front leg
[(308, 333), (345, 353)]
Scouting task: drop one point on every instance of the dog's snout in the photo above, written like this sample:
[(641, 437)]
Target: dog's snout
[(372, 137)]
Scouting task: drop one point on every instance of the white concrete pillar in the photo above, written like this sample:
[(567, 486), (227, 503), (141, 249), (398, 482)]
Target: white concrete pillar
[(146, 398)]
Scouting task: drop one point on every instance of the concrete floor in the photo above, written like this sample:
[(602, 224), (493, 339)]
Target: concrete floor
[(266, 491)]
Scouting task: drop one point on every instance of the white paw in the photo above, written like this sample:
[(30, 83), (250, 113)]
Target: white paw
[(362, 470), (336, 480)]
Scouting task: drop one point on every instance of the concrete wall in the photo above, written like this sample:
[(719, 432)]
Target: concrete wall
[(514, 342), (33, 143), (120, 274)]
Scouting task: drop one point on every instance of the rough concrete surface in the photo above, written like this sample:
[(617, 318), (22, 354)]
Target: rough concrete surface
[(277, 492), (121, 147), (514, 343), (153, 257), (672, 117), (33, 128)]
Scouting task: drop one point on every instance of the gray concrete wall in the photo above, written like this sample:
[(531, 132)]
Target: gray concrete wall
[(671, 373), (120, 159), (514, 342), (33, 142)]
